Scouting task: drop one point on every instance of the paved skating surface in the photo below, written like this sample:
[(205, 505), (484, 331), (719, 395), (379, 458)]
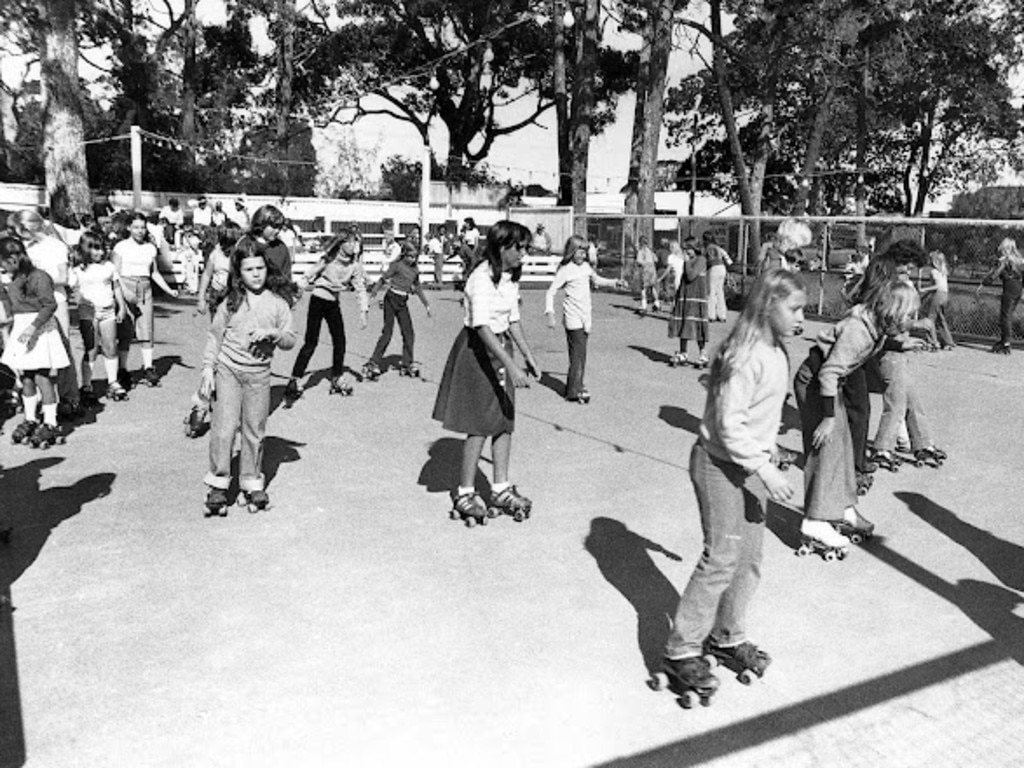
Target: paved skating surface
[(355, 624)]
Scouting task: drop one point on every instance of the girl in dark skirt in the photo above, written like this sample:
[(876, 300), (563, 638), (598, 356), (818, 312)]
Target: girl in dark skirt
[(689, 319), (477, 392)]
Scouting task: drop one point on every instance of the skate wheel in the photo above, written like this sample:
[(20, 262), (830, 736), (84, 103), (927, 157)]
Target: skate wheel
[(454, 515), (658, 681), (842, 554), (705, 701), (803, 550), (470, 521), (830, 556), (688, 699), (744, 677), (493, 512), (856, 538), (518, 516)]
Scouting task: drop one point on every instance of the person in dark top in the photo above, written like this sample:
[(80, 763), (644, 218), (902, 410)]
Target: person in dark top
[(402, 278)]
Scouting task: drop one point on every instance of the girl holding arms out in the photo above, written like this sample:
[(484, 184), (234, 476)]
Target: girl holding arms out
[(734, 475), (135, 259), (254, 320), (476, 396), (575, 276), (35, 348), (402, 278), (100, 308), (335, 270)]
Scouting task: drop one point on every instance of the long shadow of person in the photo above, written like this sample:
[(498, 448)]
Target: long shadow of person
[(555, 385), (26, 519), (278, 451), (623, 559), (164, 363), (654, 355), (441, 471), (1003, 558), (680, 418)]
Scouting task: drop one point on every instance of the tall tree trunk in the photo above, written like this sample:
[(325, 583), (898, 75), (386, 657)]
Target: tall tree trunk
[(923, 172), (654, 106), (631, 204), (189, 75), (285, 76), (564, 186), (861, 192), (583, 109), (67, 180), (813, 152)]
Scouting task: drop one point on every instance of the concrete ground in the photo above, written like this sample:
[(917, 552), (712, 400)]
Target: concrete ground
[(355, 624)]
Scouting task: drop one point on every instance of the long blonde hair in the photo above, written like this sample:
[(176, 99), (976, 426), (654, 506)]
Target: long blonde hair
[(1010, 253), (752, 326), (893, 304)]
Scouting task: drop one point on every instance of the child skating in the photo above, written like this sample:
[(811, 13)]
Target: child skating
[(254, 320), (476, 396), (35, 349), (336, 270), (575, 276), (689, 321), (402, 278), (734, 475)]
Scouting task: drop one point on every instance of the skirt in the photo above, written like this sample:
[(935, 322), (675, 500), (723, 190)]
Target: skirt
[(46, 354), (689, 316), (475, 397)]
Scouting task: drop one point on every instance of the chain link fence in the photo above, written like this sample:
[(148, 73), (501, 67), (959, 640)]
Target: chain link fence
[(970, 247)]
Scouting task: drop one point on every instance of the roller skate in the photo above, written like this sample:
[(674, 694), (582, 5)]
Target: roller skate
[(412, 371), (470, 508), (195, 422), (371, 371), (864, 482), (510, 502), (677, 360), (340, 386), (87, 397), (929, 456), (743, 659), (1001, 348), (150, 377), (217, 503), (24, 431), (254, 501), (854, 526), (690, 679), (785, 458), (116, 392), (69, 410), (820, 536), (292, 392), (46, 436), (886, 460), (702, 361)]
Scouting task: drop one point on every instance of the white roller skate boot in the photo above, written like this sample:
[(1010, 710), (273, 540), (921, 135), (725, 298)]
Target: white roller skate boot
[(821, 536)]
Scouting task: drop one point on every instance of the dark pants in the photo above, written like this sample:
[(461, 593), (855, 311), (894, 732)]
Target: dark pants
[(322, 309), (858, 412), (577, 339), (395, 306), (1011, 295)]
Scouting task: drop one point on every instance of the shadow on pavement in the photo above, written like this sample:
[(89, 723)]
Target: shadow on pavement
[(441, 472), (654, 355), (278, 451), (623, 559), (28, 516), (555, 385), (1003, 558), (680, 418)]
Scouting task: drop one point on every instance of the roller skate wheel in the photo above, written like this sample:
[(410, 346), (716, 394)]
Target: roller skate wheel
[(688, 699), (658, 681), (861, 490), (803, 550), (842, 554), (454, 515), (856, 538), (830, 556), (518, 516), (493, 512), (745, 677), (470, 521)]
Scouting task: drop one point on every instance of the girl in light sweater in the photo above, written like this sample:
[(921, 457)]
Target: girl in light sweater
[(732, 467), (575, 276), (336, 269)]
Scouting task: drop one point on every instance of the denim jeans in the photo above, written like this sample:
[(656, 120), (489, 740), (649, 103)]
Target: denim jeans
[(321, 309), (714, 604), (395, 307), (1007, 305), (243, 400), (899, 400), (577, 340)]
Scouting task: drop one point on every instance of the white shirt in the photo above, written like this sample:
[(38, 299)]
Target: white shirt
[(496, 306), (392, 252), (576, 306), (95, 283), (136, 258), (471, 237), (202, 217), (176, 217), (941, 281), (435, 247), (677, 263), (49, 255)]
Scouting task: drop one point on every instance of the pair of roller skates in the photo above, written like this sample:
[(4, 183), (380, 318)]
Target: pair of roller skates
[(692, 681), (470, 508), (37, 435), (217, 502), (411, 371), (1000, 348), (679, 359)]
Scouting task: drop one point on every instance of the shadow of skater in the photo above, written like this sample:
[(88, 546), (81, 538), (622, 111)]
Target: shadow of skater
[(1004, 559), (277, 451), (680, 418), (623, 559), (653, 355), (784, 522), (441, 472), (164, 363), (555, 385), (27, 516)]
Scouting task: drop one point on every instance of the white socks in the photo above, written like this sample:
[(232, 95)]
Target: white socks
[(30, 404)]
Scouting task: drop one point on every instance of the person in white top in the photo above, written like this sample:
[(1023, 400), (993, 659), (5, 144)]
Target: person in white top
[(937, 296), (50, 254), (172, 213), (100, 308), (202, 214), (435, 248), (576, 276), (477, 392), (240, 215), (135, 258)]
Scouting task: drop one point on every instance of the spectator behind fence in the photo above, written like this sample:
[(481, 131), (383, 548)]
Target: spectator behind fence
[(1010, 269), (784, 250)]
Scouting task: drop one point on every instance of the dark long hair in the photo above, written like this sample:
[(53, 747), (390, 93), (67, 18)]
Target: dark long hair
[(883, 268), (504, 234), (276, 283), (13, 246), (266, 216)]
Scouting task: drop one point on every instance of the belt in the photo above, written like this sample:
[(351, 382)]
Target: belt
[(398, 293)]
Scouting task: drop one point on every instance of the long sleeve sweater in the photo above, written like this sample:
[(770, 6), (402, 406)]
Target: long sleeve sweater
[(229, 341), (741, 424), (847, 345), (328, 280), (33, 293)]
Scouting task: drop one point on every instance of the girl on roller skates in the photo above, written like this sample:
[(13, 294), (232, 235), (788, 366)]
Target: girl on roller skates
[(689, 319), (35, 348), (732, 467), (100, 308), (336, 269), (254, 320), (402, 278), (575, 276), (477, 392), (1010, 269), (830, 482)]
